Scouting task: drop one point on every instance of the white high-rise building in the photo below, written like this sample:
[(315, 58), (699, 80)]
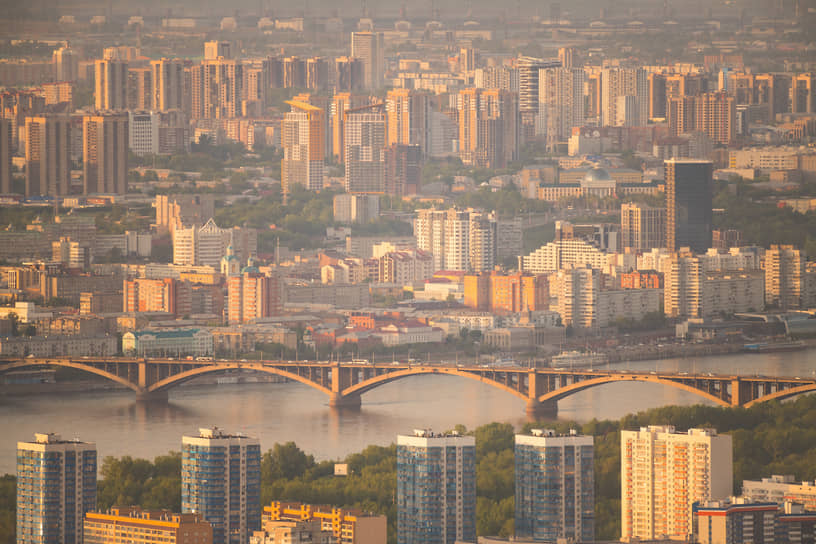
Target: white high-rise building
[(458, 239), (143, 132), (663, 473), (617, 82)]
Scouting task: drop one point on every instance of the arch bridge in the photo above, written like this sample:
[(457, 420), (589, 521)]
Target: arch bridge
[(345, 383)]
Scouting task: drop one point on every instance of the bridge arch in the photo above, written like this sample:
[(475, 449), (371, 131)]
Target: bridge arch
[(371, 383), (783, 394), (178, 379), (70, 364), (576, 387)]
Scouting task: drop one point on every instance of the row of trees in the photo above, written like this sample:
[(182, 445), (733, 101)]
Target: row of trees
[(769, 438)]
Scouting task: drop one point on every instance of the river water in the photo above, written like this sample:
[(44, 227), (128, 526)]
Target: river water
[(283, 412)]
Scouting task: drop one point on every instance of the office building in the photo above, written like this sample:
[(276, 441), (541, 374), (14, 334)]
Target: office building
[(56, 486), (555, 487), (221, 481), (436, 488), (143, 132), (785, 286), (168, 84), (133, 525), (6, 153), (663, 473), (689, 188), (370, 49), (48, 155), (345, 526), (408, 114), (303, 140), (111, 84), (642, 227), (364, 137), (105, 153)]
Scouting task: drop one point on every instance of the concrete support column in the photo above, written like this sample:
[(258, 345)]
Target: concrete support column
[(151, 396), (349, 401), (542, 410)]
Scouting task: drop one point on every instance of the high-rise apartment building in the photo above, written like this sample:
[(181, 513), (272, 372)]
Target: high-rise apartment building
[(340, 104), (458, 239), (436, 488), (221, 481), (621, 82), (370, 49), (664, 473), (689, 188), (555, 487), (168, 84), (364, 137), (6, 153), (488, 127), (784, 277), (349, 74), (48, 155), (215, 49), (105, 153), (408, 118), (111, 84), (65, 64), (713, 114), (642, 227), (529, 69), (253, 295), (317, 73), (56, 486), (143, 132), (303, 139), (560, 102), (803, 93), (403, 169), (133, 525), (217, 89), (140, 88)]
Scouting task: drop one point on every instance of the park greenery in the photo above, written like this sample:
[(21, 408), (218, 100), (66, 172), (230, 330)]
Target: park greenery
[(769, 438)]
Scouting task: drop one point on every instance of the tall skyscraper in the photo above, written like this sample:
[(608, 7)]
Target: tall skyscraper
[(555, 487), (369, 47), (48, 155), (488, 127), (664, 473), (302, 138), (168, 84), (111, 84), (408, 118), (6, 152), (689, 188), (105, 153), (341, 102), (365, 152), (221, 480), (436, 488), (217, 89), (560, 102), (642, 227), (56, 485)]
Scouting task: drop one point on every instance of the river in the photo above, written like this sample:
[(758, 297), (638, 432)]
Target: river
[(283, 412)]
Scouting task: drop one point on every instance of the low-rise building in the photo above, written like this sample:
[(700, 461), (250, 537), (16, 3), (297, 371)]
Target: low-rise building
[(347, 526), (136, 526), (59, 346), (168, 343)]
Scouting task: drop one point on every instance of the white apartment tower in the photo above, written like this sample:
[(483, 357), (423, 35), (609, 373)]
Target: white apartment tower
[(663, 473)]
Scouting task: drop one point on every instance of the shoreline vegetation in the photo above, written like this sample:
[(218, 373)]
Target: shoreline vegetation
[(769, 438)]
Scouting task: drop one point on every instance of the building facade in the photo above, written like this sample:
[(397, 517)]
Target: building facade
[(436, 488), (221, 481), (56, 486), (664, 473), (555, 487), (136, 526), (689, 192)]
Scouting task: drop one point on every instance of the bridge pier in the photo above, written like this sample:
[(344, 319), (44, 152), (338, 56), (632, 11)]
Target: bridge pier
[(339, 401), (542, 410), (152, 396)]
